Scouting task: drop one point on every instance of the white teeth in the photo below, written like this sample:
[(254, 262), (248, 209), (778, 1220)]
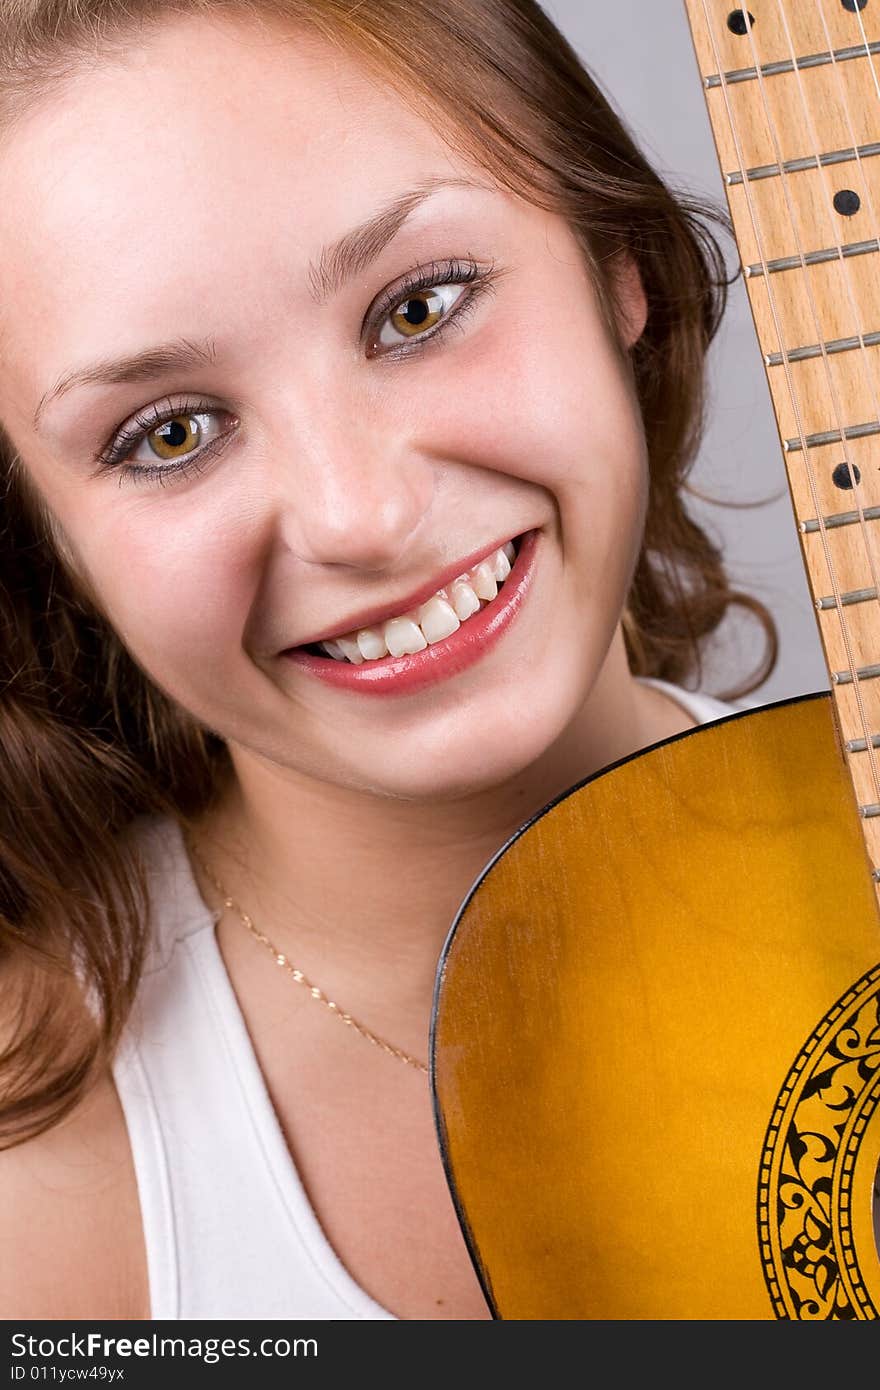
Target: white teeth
[(502, 566), (371, 643), (438, 619), (350, 649), (463, 599), (483, 581), (403, 637)]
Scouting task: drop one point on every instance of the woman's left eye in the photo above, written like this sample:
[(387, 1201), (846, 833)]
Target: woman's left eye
[(418, 313), (428, 301)]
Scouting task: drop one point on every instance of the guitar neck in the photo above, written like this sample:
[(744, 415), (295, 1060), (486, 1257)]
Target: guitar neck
[(792, 89)]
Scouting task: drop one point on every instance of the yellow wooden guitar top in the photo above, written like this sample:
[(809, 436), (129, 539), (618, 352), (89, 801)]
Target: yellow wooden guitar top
[(656, 1043)]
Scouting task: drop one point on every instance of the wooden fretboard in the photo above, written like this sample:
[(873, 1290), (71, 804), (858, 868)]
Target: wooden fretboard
[(793, 94)]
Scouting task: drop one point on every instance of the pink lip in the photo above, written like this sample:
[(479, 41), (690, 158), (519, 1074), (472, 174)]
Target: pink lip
[(399, 675), (371, 617)]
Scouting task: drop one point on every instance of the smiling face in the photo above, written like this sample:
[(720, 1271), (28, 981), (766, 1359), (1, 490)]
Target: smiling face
[(344, 444)]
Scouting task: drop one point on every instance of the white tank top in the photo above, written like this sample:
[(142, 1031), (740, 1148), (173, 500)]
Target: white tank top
[(229, 1230)]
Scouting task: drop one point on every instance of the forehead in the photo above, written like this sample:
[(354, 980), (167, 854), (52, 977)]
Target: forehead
[(213, 146)]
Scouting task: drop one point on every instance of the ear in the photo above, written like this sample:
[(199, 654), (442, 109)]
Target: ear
[(630, 301)]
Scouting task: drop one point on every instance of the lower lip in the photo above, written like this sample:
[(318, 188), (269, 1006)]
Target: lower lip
[(405, 675)]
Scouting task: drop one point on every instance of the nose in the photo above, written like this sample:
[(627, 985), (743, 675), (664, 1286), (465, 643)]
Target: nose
[(354, 493)]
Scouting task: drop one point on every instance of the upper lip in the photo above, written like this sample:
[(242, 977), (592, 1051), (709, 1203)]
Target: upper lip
[(371, 617)]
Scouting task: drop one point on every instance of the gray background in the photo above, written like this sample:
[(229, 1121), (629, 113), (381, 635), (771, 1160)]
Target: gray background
[(640, 53)]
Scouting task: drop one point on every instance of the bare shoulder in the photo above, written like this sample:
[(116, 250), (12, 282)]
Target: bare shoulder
[(71, 1236)]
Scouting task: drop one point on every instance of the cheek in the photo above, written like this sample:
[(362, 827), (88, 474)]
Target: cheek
[(554, 406), (168, 588)]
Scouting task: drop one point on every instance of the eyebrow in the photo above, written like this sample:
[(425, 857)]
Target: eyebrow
[(336, 266)]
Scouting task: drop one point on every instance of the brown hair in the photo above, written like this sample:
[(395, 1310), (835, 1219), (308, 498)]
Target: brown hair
[(87, 741)]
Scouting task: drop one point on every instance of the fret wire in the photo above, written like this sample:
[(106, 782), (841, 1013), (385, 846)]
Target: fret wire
[(802, 354), (813, 441), (797, 166), (775, 315), (854, 596), (835, 519), (859, 745), (863, 673), (784, 179), (785, 65), (820, 257)]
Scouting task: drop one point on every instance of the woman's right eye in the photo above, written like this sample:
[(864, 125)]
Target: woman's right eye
[(179, 436), (179, 439)]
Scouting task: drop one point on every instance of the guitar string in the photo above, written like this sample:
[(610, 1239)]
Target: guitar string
[(843, 105), (760, 240), (870, 58), (783, 347), (867, 48), (785, 177), (865, 187), (855, 484)]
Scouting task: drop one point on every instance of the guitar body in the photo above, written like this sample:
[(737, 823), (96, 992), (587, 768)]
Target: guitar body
[(656, 1038)]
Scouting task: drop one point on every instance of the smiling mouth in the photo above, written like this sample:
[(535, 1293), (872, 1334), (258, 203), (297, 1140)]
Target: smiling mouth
[(441, 615)]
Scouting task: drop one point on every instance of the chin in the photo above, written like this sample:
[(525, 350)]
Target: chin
[(467, 763)]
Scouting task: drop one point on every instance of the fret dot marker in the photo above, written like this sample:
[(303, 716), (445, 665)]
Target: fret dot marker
[(847, 202), (736, 21), (844, 474), (853, 5)]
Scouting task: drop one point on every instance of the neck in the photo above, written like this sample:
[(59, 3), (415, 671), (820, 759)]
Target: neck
[(360, 890)]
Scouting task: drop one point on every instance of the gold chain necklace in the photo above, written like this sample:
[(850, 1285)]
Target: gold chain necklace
[(297, 975)]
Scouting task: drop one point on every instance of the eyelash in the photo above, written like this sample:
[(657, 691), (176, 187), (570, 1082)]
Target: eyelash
[(128, 436)]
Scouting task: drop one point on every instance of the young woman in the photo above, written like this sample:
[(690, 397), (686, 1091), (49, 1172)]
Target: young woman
[(352, 372)]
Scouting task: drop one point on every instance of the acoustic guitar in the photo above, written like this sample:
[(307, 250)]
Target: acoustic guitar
[(655, 1051)]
